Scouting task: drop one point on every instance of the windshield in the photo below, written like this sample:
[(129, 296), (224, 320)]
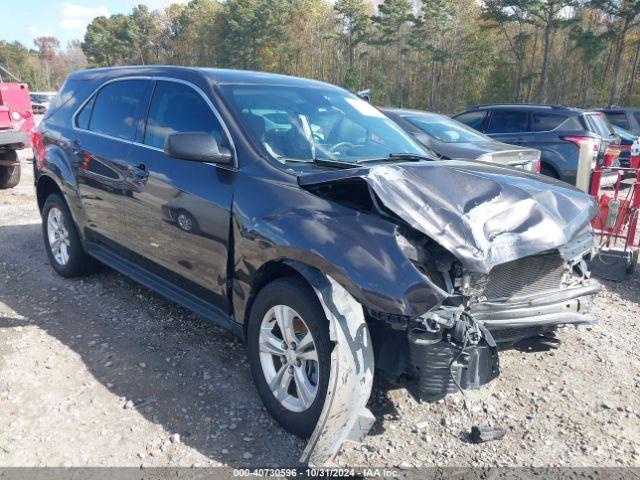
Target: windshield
[(294, 123), (444, 128)]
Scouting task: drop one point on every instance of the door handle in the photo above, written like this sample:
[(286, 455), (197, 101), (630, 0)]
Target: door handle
[(77, 146)]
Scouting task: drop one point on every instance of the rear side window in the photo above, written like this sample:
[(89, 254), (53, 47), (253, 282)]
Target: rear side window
[(115, 109), (598, 124), (543, 122), (83, 117), (508, 121), (619, 119), (177, 108), (472, 119)]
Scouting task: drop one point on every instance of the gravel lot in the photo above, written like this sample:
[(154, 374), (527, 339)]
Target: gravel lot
[(100, 371)]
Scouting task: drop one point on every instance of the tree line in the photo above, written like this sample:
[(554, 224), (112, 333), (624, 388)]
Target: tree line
[(440, 55)]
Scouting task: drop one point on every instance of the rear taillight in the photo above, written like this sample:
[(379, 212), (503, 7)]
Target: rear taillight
[(578, 141)]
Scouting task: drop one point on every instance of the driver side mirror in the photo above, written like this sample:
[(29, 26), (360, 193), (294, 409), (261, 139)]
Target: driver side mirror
[(198, 147)]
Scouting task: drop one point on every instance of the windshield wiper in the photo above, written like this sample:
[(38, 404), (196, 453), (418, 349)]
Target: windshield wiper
[(394, 157), (321, 161)]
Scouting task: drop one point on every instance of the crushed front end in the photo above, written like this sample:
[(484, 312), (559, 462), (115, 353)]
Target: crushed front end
[(455, 346)]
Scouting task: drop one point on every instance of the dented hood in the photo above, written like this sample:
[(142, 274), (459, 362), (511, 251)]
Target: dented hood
[(483, 214)]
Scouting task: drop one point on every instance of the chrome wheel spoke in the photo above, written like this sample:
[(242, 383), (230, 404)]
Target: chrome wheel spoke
[(284, 318), (309, 356), (305, 342), (269, 343), (279, 385), (306, 391)]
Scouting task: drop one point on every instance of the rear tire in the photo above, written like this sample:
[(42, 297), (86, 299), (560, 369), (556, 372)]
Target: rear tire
[(62, 241), (9, 174), (549, 172), (297, 411)]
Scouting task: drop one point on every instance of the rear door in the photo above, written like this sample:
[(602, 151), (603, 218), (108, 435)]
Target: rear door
[(509, 126), (178, 214), (103, 130)]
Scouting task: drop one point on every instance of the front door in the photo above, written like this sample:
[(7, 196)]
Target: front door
[(101, 143), (178, 213)]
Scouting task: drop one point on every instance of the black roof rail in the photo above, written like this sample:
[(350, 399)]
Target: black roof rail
[(482, 105)]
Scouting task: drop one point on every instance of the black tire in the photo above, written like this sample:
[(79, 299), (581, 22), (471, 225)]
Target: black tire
[(79, 262), (9, 174), (297, 294), (549, 172)]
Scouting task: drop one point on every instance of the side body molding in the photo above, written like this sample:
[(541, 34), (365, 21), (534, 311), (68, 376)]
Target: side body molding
[(344, 414)]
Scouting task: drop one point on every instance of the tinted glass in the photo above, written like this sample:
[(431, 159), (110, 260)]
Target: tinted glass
[(83, 117), (116, 108), (619, 119), (598, 124), (472, 119), (637, 117), (508, 121), (625, 135), (178, 108), (445, 129), (312, 123), (543, 122)]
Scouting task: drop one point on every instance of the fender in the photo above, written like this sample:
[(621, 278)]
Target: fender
[(359, 250), (55, 164)]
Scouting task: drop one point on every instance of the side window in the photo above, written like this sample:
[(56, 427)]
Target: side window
[(83, 117), (472, 119), (619, 119), (543, 122), (508, 121), (637, 117), (116, 107), (178, 108)]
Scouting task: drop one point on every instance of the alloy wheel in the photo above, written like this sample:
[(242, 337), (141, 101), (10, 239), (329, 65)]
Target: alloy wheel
[(58, 234), (289, 358)]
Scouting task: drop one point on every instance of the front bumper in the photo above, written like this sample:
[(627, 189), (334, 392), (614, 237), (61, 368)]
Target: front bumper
[(529, 316)]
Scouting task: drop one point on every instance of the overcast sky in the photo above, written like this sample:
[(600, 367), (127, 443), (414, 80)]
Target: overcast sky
[(64, 20)]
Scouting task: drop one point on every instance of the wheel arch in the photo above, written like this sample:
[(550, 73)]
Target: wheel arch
[(46, 186), (267, 273)]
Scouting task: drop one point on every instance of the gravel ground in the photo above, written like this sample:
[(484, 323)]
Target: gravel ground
[(100, 371)]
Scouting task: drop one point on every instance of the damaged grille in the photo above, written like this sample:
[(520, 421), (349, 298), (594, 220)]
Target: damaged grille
[(525, 276)]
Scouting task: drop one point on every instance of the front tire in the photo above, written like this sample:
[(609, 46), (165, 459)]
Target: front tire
[(289, 352), (9, 174), (61, 240)]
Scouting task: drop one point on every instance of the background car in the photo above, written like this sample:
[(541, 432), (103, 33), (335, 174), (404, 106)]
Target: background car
[(556, 131), (626, 141), (40, 101), (447, 138), (626, 118)]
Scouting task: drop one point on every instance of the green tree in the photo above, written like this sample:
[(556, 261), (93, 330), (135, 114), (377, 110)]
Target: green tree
[(393, 20), (625, 15), (547, 15), (355, 21)]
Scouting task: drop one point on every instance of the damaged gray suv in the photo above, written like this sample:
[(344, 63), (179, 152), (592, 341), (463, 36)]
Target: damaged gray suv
[(301, 218)]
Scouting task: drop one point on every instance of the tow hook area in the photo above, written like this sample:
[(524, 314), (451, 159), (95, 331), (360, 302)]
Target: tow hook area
[(344, 414), (452, 352)]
